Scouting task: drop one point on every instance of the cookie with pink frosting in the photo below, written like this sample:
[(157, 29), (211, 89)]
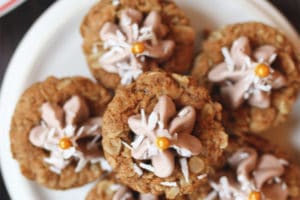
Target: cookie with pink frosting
[(110, 188), (254, 170), (162, 134), (253, 70), (56, 132), (124, 38)]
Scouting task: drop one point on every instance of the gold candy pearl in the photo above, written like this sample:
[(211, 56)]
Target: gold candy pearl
[(65, 143), (163, 143), (262, 70), (138, 47), (254, 195)]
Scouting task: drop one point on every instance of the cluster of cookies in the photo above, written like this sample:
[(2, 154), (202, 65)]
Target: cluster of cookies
[(148, 131)]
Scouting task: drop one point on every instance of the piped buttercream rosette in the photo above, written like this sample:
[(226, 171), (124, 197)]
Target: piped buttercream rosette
[(247, 75), (129, 43), (68, 133), (164, 135)]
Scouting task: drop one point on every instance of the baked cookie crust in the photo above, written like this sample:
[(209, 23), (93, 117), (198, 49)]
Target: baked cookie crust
[(179, 31), (249, 118), (144, 94), (27, 115)]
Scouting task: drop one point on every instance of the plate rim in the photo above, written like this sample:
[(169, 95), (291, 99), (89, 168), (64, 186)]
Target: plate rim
[(36, 27)]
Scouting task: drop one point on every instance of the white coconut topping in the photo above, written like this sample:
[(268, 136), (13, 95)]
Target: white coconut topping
[(148, 167), (115, 187), (183, 112), (137, 141), (184, 169), (126, 145), (202, 176), (115, 2), (137, 169), (169, 184), (228, 59), (104, 165)]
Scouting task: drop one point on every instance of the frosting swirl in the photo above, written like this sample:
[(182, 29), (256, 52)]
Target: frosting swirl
[(259, 175), (133, 40), (246, 75), (60, 134), (162, 131)]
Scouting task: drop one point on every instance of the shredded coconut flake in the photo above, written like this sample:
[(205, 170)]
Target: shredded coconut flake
[(147, 167), (137, 169), (183, 152), (104, 165), (183, 112), (137, 141), (169, 184), (152, 121), (228, 59), (184, 169), (126, 145), (115, 2), (202, 176), (80, 165), (211, 196), (55, 170), (114, 187), (91, 144)]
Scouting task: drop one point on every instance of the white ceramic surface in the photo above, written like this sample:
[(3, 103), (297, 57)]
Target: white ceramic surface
[(53, 47)]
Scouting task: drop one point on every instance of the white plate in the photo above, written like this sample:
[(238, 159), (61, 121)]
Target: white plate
[(53, 47)]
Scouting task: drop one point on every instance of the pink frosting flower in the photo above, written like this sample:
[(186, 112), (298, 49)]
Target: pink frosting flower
[(163, 131), (253, 174), (60, 134), (247, 75), (132, 41)]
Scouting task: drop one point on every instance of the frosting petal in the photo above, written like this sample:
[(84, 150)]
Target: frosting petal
[(240, 51), (76, 110), (244, 160), (184, 122), (53, 115), (221, 73), (109, 31), (128, 17), (136, 126), (37, 135), (261, 99), (163, 164), (162, 51), (233, 95), (165, 108), (189, 142), (279, 80), (267, 168), (141, 152), (154, 21), (264, 53)]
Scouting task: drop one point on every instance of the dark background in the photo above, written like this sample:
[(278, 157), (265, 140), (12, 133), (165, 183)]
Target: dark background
[(14, 25)]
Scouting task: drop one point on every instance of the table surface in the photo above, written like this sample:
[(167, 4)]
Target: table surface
[(14, 25)]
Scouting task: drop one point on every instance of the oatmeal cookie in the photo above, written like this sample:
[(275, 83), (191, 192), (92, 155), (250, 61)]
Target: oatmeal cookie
[(121, 39), (56, 132), (110, 188), (161, 133), (253, 70), (254, 169)]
